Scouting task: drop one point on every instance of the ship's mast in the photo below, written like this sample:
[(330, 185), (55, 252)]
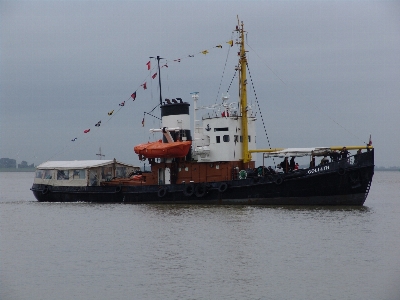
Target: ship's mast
[(243, 93), (159, 75)]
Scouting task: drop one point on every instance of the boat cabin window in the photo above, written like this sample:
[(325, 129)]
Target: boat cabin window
[(221, 129), (249, 138), (39, 174), (225, 138), (236, 138), (241, 139), (106, 173), (93, 178), (47, 174), (121, 172), (218, 139), (79, 174), (62, 174)]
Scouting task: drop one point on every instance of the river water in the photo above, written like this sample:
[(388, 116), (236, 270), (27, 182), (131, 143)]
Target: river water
[(106, 251)]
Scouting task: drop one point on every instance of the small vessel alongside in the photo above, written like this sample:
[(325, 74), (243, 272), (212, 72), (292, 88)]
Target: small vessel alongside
[(213, 161)]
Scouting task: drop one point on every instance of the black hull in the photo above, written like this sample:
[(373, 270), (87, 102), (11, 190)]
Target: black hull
[(337, 183)]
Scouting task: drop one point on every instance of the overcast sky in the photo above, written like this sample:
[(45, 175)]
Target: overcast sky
[(325, 73)]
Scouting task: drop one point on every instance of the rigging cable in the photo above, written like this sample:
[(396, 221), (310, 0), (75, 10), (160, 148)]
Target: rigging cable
[(320, 110), (259, 108), (223, 71)]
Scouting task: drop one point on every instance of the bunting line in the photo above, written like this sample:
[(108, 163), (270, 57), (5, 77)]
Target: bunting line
[(143, 86)]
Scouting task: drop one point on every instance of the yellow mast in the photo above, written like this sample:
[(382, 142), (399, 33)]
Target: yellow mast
[(243, 94)]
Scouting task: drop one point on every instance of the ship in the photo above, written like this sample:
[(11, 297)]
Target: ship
[(213, 162)]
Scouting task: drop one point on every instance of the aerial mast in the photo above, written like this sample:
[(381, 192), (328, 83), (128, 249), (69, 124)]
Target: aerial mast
[(243, 93)]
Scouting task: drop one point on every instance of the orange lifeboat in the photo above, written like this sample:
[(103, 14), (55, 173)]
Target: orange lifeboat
[(159, 149)]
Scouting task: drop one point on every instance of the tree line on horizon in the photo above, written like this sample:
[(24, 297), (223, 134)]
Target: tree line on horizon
[(10, 163)]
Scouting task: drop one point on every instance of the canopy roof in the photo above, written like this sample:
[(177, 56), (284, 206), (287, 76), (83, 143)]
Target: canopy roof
[(298, 152), (77, 164)]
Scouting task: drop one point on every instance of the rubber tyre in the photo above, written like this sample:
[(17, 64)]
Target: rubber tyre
[(223, 187), (278, 181), (45, 190), (162, 192), (200, 190), (188, 190)]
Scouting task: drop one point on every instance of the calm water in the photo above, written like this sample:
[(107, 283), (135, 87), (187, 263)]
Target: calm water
[(92, 251)]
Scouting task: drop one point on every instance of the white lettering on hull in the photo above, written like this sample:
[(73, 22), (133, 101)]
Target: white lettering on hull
[(319, 169)]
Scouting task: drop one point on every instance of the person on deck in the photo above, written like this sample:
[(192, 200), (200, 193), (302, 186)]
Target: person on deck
[(344, 154), (334, 155), (285, 165), (278, 169), (324, 160), (292, 164)]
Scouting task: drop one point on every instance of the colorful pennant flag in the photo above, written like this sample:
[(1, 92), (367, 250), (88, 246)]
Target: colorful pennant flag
[(148, 65), (154, 75), (74, 139), (143, 122), (86, 131), (204, 52), (98, 124), (133, 96), (165, 66), (218, 46), (177, 60), (122, 104), (191, 55), (111, 112), (144, 85), (230, 43)]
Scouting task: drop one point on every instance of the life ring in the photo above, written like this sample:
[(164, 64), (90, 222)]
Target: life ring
[(45, 190), (222, 187), (200, 190), (188, 190), (162, 192), (118, 189), (341, 171), (278, 180)]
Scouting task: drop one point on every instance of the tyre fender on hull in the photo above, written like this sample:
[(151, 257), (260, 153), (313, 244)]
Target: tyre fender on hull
[(200, 190), (162, 192), (45, 190), (222, 187), (278, 180), (188, 190)]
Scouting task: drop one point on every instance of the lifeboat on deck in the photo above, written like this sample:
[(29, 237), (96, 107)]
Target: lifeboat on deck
[(159, 149)]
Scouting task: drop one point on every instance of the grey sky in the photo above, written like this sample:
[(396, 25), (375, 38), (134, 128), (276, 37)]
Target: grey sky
[(325, 72)]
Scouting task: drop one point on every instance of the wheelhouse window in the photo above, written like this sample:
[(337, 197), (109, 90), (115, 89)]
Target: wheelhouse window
[(39, 174), (221, 129), (218, 139), (225, 138), (62, 174)]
